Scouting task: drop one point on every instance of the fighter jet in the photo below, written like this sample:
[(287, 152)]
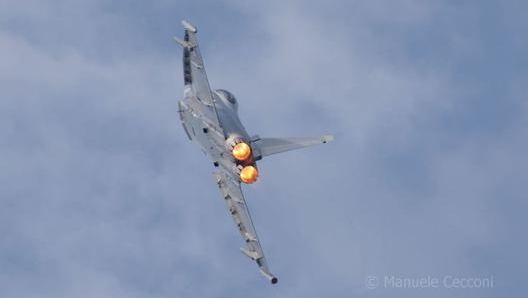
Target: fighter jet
[(210, 119)]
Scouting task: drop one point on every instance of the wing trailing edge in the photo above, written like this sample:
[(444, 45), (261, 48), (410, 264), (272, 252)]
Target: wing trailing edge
[(236, 204)]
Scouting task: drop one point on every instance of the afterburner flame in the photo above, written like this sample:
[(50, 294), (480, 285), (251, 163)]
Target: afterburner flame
[(249, 174), (241, 151)]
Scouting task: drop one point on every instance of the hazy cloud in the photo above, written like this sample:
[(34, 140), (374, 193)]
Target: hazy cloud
[(102, 195)]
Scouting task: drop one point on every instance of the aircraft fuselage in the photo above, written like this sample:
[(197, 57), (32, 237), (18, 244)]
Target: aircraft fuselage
[(218, 145)]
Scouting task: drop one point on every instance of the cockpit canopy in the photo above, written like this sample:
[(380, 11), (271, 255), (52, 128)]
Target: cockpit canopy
[(228, 98)]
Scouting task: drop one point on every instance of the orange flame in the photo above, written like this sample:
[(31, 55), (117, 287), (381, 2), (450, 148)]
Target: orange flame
[(249, 174), (241, 151)]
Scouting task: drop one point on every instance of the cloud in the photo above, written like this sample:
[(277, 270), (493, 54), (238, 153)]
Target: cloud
[(102, 195)]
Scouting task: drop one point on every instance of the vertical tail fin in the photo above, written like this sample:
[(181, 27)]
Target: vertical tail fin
[(268, 146)]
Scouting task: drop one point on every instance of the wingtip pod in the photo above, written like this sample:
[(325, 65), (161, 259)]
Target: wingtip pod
[(188, 26), (327, 139), (269, 276)]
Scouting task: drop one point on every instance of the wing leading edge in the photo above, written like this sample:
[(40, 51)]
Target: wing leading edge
[(236, 205), (194, 74)]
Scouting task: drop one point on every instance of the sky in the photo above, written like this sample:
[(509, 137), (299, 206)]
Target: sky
[(102, 195)]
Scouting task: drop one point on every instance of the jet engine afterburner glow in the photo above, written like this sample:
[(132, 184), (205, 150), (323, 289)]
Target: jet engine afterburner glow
[(241, 151), (248, 174)]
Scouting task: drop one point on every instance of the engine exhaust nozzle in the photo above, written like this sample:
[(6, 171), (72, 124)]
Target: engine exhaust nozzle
[(241, 151)]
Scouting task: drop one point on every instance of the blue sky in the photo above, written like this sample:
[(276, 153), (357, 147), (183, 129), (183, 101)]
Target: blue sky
[(102, 195)]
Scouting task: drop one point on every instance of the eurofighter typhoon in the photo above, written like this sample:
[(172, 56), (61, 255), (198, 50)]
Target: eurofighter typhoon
[(210, 119)]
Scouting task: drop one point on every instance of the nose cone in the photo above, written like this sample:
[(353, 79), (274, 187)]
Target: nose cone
[(241, 151), (248, 174)]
